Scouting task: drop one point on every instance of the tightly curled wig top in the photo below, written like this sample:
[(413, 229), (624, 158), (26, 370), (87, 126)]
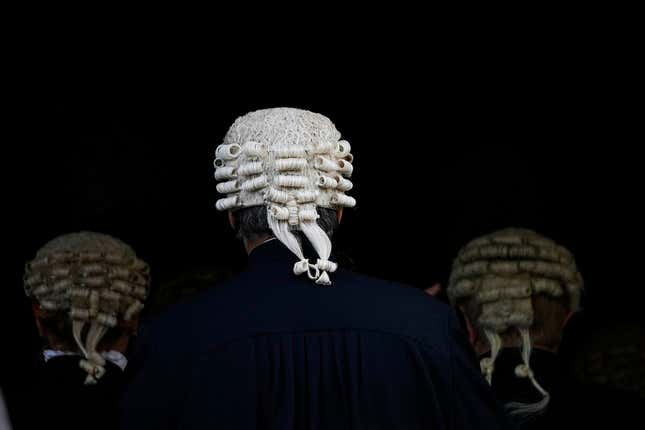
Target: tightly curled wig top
[(501, 272), (292, 161), (97, 280)]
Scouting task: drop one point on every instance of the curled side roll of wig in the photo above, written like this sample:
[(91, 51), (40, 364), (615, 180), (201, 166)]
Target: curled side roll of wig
[(325, 165), (255, 184), (251, 168), (279, 212), (254, 149), (343, 148), (342, 200), (342, 183), (276, 196), (291, 181), (308, 215), (345, 167), (228, 187), (228, 152), (227, 203), (327, 182), (323, 148), (289, 151), (223, 173), (306, 196), (287, 164)]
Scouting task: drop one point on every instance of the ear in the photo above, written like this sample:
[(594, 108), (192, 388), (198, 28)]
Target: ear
[(131, 327), (434, 290), (39, 314), (339, 214), (231, 220), (472, 333), (567, 318)]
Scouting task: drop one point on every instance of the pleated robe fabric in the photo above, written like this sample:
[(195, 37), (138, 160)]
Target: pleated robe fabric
[(271, 350)]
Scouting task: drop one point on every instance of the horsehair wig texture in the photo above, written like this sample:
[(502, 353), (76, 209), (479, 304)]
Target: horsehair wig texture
[(97, 280), (291, 161), (501, 272), (510, 266)]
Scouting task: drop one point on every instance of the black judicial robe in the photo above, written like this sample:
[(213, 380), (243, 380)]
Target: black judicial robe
[(271, 350), (57, 397), (572, 404)]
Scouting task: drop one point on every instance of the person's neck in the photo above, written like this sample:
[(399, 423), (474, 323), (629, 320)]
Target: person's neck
[(250, 245)]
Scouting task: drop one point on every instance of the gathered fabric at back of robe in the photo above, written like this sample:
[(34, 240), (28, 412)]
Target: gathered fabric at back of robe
[(270, 350)]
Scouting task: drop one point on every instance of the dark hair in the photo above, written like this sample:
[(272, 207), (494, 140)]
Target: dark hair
[(251, 223)]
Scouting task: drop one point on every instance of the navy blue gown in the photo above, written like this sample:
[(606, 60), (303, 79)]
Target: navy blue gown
[(270, 350)]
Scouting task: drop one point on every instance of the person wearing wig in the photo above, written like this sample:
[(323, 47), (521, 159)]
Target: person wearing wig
[(295, 341), (86, 290), (517, 290)]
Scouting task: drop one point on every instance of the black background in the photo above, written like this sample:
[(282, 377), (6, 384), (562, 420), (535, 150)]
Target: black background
[(447, 147)]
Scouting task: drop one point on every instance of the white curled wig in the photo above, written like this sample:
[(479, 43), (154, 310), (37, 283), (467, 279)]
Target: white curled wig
[(97, 280), (501, 272), (292, 161)]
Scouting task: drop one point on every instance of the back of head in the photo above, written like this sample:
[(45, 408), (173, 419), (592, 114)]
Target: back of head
[(93, 281), (290, 168), (516, 287)]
